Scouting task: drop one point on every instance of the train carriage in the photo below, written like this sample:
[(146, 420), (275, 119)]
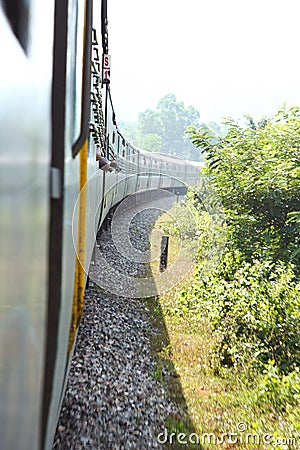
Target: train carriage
[(56, 116)]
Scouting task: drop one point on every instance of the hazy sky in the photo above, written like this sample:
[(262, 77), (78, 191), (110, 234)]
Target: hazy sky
[(225, 57)]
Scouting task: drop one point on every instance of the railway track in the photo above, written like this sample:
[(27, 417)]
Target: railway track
[(113, 400)]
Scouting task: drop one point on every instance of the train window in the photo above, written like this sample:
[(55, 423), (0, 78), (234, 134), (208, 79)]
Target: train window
[(118, 149), (75, 63), (17, 13)]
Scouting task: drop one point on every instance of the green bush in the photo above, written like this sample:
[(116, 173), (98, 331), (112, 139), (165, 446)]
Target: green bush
[(281, 391), (251, 292), (255, 171), (255, 310)]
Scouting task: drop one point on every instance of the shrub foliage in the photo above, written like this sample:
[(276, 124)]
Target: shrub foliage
[(251, 294)]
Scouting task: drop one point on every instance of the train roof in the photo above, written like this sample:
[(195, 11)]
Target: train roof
[(167, 157)]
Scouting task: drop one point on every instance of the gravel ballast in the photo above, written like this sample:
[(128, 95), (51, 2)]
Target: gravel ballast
[(113, 400)]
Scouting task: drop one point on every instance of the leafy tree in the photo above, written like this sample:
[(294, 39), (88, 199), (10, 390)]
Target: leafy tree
[(175, 118), (150, 123), (256, 172), (131, 131), (163, 129), (151, 142)]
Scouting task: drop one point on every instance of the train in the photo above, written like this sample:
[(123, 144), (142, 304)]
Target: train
[(61, 151)]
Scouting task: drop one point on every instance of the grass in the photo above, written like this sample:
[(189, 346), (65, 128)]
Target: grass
[(212, 403), (219, 403), (166, 373)]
